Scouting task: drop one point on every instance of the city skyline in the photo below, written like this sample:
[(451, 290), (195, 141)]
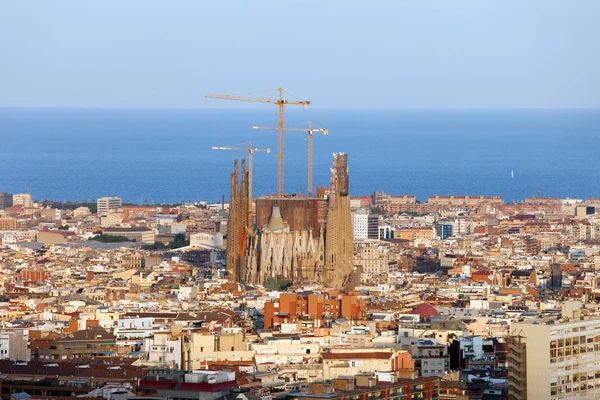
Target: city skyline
[(435, 235)]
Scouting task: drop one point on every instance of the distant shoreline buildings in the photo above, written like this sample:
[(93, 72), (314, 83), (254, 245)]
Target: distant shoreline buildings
[(298, 296)]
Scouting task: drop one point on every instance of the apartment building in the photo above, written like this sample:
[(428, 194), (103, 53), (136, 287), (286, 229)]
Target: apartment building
[(22, 199), (373, 226), (374, 259), (397, 204), (7, 224), (366, 386), (462, 201), (6, 200), (413, 234), (85, 343), (13, 346), (431, 358), (106, 204), (163, 350), (552, 358), (348, 362), (287, 350), (360, 223)]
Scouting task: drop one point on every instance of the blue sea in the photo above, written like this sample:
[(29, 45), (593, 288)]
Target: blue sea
[(166, 155)]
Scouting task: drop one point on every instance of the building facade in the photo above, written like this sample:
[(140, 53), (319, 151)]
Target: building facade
[(555, 358), (360, 223), (6, 200), (136, 234), (106, 204), (373, 226), (22, 199), (296, 250)]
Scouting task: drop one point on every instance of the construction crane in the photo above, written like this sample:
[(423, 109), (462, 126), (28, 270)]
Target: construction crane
[(250, 150), (310, 132), (281, 103)]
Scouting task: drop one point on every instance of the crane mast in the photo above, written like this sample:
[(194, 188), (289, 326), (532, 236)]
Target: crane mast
[(250, 150), (281, 103), (310, 132)]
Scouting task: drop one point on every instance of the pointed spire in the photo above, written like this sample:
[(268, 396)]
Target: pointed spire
[(276, 222)]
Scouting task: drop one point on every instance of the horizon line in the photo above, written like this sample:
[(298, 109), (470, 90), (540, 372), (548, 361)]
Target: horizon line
[(253, 107)]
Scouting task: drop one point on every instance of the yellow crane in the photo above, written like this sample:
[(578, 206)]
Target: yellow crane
[(280, 103), (250, 150), (310, 132)]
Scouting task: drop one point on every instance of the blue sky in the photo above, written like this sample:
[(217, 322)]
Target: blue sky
[(338, 54)]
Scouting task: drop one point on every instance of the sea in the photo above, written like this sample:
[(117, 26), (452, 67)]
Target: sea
[(166, 155)]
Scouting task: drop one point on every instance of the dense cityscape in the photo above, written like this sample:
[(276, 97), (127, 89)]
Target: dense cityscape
[(293, 296), (414, 217)]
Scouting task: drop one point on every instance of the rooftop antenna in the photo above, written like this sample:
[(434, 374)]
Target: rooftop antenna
[(28, 188)]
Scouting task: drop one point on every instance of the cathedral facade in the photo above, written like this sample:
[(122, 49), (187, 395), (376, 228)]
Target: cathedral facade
[(311, 249)]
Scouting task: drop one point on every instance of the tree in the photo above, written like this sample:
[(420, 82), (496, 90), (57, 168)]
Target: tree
[(110, 239)]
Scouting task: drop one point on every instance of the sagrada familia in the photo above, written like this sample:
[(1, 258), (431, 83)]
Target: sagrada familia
[(297, 238)]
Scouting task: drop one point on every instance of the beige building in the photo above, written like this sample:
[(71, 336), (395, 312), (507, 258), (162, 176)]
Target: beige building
[(555, 358), (462, 201), (22, 199), (351, 362), (13, 346), (286, 350), (81, 212), (8, 224), (206, 239), (374, 258), (56, 237), (139, 235), (204, 346), (111, 219)]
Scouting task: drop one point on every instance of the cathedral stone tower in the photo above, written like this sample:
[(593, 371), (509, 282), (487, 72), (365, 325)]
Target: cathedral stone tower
[(338, 239), (238, 222)]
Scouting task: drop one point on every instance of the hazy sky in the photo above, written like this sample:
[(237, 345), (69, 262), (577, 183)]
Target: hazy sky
[(338, 54)]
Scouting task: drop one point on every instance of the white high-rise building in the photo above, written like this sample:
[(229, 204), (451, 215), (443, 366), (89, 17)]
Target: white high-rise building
[(360, 223), (106, 204)]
